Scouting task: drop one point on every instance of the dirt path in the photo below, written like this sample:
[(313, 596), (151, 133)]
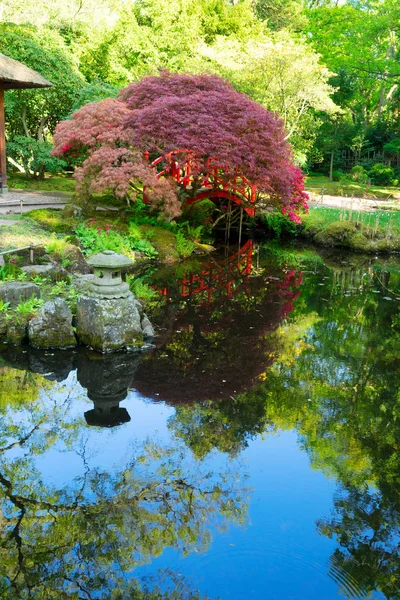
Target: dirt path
[(20, 201), (356, 204), (11, 203)]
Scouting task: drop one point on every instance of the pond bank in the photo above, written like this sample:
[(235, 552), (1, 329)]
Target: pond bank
[(357, 230)]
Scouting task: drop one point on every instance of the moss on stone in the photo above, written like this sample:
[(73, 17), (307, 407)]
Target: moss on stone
[(350, 234), (16, 331)]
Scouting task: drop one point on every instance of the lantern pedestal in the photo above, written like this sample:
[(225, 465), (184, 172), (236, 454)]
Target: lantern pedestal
[(108, 316), (108, 325)]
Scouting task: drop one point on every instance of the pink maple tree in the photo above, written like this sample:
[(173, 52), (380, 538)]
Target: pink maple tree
[(199, 114)]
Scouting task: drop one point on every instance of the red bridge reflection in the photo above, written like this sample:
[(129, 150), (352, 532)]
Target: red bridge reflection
[(231, 275), (217, 327)]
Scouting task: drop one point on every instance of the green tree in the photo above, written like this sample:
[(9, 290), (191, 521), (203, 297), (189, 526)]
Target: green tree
[(31, 115), (281, 14), (283, 74), (359, 42), (35, 113)]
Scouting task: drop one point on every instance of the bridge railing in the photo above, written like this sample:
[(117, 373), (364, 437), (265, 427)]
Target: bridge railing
[(215, 181)]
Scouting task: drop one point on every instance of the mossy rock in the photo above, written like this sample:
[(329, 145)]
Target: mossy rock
[(53, 220), (343, 234), (164, 242), (16, 331), (108, 325)]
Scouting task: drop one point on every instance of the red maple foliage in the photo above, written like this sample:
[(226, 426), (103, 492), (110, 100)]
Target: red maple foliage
[(202, 114)]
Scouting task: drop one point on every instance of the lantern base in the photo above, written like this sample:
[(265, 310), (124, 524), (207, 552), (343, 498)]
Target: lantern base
[(109, 291), (109, 324)]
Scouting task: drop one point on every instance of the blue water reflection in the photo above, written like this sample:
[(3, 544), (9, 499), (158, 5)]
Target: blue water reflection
[(253, 454)]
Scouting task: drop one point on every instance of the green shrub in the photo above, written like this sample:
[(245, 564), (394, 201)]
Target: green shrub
[(97, 240), (135, 233), (392, 147), (359, 174), (184, 246), (146, 247), (279, 224), (29, 307), (141, 215), (141, 290), (199, 214), (138, 242), (4, 306), (57, 245), (35, 156), (337, 175), (9, 272), (381, 174), (343, 233), (66, 291)]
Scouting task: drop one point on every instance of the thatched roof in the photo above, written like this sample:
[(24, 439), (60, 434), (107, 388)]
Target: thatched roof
[(17, 75)]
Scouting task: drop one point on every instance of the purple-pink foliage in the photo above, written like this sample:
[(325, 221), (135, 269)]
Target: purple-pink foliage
[(200, 114)]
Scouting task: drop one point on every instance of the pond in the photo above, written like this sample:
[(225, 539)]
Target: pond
[(253, 453)]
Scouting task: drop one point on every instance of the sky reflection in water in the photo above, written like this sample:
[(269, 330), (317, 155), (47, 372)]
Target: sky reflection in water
[(252, 454)]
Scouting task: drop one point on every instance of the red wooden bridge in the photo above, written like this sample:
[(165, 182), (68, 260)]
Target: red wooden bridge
[(215, 183)]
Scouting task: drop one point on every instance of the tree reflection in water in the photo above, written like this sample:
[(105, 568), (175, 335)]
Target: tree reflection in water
[(84, 539), (333, 375), (216, 324), (325, 362)]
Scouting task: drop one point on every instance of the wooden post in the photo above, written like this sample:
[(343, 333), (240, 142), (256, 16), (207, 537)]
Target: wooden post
[(3, 166), (240, 226), (228, 224)]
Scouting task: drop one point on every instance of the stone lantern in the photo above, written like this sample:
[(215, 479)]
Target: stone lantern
[(107, 282), (108, 316)]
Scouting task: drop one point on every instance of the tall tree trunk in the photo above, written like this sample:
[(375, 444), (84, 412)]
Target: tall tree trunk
[(41, 172), (24, 125), (331, 165), (40, 130), (3, 166)]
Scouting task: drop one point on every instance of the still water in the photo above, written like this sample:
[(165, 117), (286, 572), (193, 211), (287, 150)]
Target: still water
[(253, 454)]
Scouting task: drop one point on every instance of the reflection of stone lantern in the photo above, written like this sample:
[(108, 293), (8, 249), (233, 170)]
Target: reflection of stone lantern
[(107, 379), (107, 282), (107, 412)]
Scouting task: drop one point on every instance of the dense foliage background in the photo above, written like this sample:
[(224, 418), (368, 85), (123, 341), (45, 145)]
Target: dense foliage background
[(330, 69)]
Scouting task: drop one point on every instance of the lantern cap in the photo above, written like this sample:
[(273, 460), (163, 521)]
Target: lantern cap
[(109, 260)]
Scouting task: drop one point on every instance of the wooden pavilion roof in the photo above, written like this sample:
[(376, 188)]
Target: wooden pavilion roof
[(15, 75)]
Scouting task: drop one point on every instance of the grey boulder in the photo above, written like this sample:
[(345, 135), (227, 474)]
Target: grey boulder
[(109, 324), (53, 327), (54, 272), (82, 283), (147, 327), (15, 292)]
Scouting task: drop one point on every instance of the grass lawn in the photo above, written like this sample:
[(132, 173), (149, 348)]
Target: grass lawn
[(320, 216), (44, 225), (314, 183), (21, 234), (52, 183)]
